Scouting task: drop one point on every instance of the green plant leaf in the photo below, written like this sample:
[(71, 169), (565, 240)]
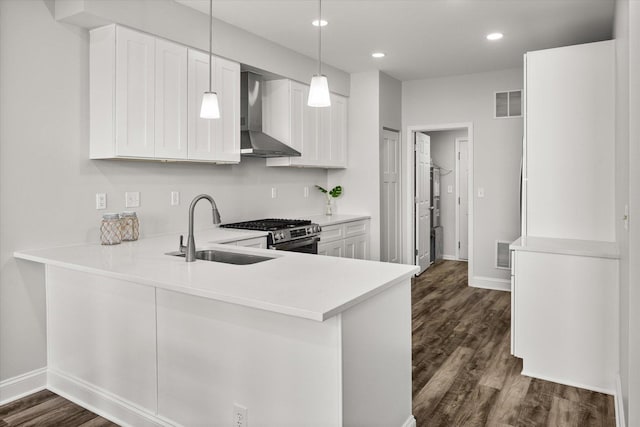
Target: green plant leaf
[(321, 189), (336, 191)]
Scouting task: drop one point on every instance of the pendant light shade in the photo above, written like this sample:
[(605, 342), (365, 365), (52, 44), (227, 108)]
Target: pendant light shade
[(210, 108), (319, 91)]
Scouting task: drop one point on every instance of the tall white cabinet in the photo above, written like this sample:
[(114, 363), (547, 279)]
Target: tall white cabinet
[(564, 267), (319, 134), (145, 95)]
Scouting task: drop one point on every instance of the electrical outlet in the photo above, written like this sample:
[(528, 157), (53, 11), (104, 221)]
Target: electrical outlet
[(101, 201), (274, 192), (132, 199), (240, 416), (625, 219), (480, 192), (306, 192), (175, 198), (449, 188)]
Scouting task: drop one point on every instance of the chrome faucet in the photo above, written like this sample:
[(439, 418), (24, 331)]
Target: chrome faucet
[(189, 251)]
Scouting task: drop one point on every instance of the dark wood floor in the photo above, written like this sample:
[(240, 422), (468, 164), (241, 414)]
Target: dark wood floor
[(47, 409), (463, 373)]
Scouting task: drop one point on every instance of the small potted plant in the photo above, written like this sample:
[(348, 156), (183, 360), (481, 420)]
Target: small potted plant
[(335, 192)]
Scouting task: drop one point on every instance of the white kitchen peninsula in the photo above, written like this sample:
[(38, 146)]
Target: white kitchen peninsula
[(147, 339)]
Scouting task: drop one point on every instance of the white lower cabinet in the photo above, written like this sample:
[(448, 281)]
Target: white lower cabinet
[(331, 249), (347, 240), (564, 318)]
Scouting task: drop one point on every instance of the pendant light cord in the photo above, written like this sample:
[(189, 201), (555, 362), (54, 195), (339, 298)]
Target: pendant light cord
[(319, 37), (210, 41)]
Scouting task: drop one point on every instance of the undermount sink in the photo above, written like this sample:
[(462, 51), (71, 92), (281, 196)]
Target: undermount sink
[(225, 257)]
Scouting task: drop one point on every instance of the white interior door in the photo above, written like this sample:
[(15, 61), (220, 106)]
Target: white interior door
[(390, 237), (422, 200), (462, 171)]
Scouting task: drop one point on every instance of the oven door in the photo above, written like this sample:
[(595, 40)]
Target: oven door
[(307, 246)]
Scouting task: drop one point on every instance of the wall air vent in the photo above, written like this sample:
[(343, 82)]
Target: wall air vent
[(503, 257), (508, 104)]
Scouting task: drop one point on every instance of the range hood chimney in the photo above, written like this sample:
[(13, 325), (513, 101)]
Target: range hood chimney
[(255, 143)]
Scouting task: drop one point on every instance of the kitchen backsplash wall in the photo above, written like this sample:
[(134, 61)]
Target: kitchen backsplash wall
[(49, 184)]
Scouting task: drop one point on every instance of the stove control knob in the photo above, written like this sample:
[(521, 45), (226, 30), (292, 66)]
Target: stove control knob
[(276, 236)]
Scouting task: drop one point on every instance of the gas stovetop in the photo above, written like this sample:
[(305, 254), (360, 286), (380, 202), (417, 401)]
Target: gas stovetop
[(268, 224), (280, 230)]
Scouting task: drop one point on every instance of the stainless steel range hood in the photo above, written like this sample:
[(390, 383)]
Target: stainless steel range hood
[(255, 143)]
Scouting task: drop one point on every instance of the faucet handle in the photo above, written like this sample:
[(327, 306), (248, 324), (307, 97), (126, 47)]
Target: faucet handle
[(182, 247)]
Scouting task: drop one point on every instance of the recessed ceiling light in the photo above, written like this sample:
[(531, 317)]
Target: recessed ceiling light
[(494, 36), (378, 54), (319, 23)]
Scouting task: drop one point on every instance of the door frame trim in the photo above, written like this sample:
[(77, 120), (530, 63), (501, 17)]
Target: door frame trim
[(408, 168), (457, 169)]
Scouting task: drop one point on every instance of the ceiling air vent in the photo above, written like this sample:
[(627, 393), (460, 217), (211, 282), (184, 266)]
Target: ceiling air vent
[(503, 257), (508, 104)]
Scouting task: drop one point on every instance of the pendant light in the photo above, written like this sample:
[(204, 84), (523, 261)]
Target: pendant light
[(319, 91), (210, 108)]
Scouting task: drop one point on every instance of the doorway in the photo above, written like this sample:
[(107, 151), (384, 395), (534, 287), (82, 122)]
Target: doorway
[(447, 212)]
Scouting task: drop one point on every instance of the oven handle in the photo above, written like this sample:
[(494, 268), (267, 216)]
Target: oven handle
[(295, 244)]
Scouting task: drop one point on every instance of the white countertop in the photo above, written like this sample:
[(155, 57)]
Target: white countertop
[(588, 248), (308, 286), (326, 220)]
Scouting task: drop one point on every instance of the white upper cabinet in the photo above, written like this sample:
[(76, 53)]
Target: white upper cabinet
[(218, 139), (202, 132), (320, 134), (145, 96), (569, 147), (227, 84), (171, 100)]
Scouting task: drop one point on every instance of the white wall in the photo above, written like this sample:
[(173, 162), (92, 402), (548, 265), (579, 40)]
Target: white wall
[(443, 154), (183, 24), (497, 151), (374, 103), (360, 181), (48, 183)]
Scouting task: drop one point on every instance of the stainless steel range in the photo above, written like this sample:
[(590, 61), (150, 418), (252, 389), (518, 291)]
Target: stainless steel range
[(294, 235)]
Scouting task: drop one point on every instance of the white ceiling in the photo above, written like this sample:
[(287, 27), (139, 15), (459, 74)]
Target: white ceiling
[(422, 38)]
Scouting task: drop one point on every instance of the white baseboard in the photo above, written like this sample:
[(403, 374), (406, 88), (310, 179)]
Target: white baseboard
[(102, 402), (619, 404), (490, 283), (23, 385), (411, 422), (451, 258), (567, 382)]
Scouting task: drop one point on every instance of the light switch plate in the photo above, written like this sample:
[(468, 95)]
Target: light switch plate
[(175, 198), (306, 192), (480, 193), (131, 199), (449, 188), (274, 192), (101, 201)]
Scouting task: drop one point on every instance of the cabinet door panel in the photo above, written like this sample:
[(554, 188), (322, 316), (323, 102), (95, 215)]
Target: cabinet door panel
[(227, 128), (171, 100), (201, 131), (135, 87), (335, 249), (338, 145), (324, 136)]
